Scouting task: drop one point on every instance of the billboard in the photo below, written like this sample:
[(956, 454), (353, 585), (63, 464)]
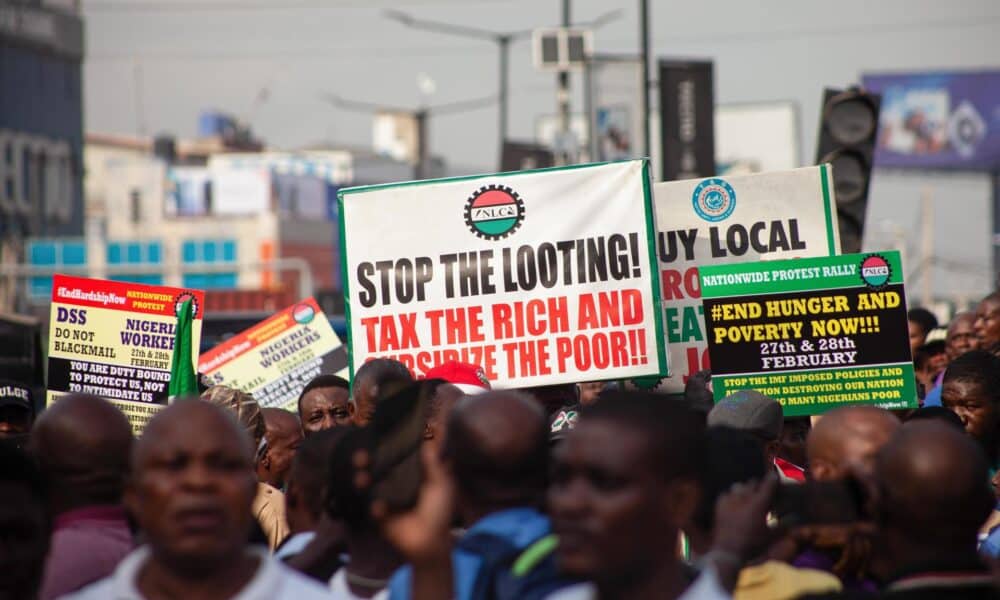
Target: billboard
[(938, 120)]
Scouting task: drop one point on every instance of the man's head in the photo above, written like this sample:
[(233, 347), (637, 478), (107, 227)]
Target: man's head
[(552, 398), (792, 441), (192, 485), (283, 434), (345, 501), (971, 388), (308, 477), (468, 378), (324, 403), (929, 361), (17, 412), (497, 446), (731, 457), (961, 336), (24, 524), (987, 323), (846, 441), (375, 380), (444, 395), (933, 494), (920, 321), (754, 413), (242, 406), (698, 392), (626, 478), (589, 391), (82, 444)]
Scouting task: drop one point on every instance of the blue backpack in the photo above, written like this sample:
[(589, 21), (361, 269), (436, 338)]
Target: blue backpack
[(511, 573)]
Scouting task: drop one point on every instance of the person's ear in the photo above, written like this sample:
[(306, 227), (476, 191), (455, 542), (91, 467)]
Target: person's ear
[(265, 460), (681, 501), (351, 408)]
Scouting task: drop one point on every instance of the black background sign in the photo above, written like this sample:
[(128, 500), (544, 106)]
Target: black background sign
[(687, 122), (889, 345)]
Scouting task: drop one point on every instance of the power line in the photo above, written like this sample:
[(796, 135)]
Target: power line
[(124, 6), (332, 54)]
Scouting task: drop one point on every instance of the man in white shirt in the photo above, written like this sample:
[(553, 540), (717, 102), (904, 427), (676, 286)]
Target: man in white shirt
[(190, 490)]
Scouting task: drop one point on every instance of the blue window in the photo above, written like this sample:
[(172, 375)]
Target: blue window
[(74, 253), (114, 254), (134, 253), (43, 253), (208, 252), (147, 279), (189, 252), (54, 254), (229, 251), (208, 281)]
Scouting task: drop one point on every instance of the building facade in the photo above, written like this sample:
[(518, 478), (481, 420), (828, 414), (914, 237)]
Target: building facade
[(41, 130)]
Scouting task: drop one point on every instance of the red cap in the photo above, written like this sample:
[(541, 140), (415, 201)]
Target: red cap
[(468, 378)]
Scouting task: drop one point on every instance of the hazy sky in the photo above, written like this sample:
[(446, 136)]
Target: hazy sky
[(153, 65)]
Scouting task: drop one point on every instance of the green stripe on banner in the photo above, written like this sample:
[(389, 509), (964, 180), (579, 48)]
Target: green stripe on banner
[(828, 209), (796, 275), (801, 393)]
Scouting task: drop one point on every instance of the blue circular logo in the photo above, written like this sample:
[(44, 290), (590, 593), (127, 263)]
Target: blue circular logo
[(714, 199)]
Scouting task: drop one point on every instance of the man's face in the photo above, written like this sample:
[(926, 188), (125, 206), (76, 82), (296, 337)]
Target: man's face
[(987, 324), (793, 441), (589, 392), (14, 421), (324, 408), (969, 401), (917, 336), (961, 338), (606, 503), (281, 449), (191, 493)]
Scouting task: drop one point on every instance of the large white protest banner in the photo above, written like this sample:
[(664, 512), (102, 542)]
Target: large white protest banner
[(719, 220), (539, 277)]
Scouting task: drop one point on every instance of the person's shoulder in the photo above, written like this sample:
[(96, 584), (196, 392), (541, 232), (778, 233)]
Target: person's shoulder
[(296, 586), (99, 590), (580, 591)]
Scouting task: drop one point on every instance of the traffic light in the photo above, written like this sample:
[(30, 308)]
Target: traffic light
[(847, 133)]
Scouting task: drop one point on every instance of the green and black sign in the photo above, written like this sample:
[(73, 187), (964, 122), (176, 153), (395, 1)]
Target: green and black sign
[(813, 333)]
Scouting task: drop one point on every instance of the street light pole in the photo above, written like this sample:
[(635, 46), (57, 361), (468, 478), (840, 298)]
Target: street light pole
[(644, 34), (504, 42)]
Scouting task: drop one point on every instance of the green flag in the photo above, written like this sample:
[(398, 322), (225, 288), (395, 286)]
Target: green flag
[(183, 380)]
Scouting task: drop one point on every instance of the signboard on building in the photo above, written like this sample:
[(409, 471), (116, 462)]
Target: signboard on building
[(938, 120)]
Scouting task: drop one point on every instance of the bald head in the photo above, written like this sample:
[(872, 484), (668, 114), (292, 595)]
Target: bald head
[(497, 445), (283, 433), (279, 423), (82, 444), (189, 419), (934, 486), (191, 487), (847, 439), (961, 336)]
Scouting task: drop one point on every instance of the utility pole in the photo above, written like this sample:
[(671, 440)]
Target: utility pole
[(644, 36), (503, 42), (562, 95), (421, 117)]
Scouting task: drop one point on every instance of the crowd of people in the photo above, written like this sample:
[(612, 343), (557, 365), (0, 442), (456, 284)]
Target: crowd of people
[(393, 487)]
